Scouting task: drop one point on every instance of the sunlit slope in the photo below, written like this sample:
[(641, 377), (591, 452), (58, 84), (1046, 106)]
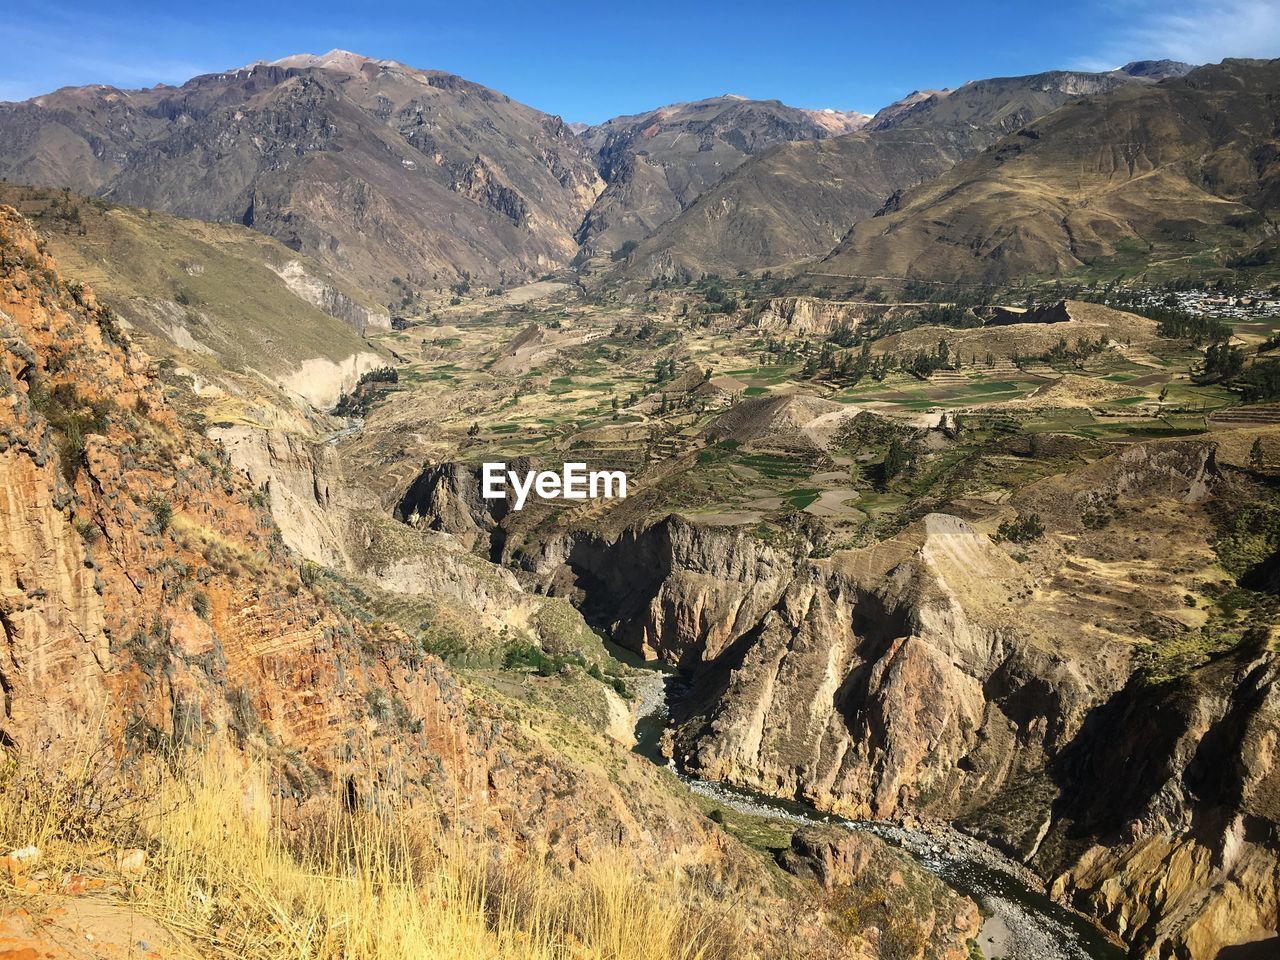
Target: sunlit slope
[(217, 291), (1183, 167)]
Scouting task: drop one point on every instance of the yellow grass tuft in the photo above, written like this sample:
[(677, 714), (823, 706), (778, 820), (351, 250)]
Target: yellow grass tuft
[(227, 873)]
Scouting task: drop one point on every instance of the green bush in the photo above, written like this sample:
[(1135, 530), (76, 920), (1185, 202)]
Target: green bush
[(1024, 529), (162, 511)]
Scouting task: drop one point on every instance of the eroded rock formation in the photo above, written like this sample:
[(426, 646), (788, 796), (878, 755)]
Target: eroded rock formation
[(147, 598)]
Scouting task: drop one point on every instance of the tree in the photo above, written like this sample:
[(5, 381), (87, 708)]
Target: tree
[(1222, 361), (1255, 454), (1024, 529), (895, 459), (473, 430)]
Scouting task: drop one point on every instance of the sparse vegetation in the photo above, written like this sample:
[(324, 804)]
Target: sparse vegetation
[(225, 869), (1025, 528), (72, 419), (369, 389)]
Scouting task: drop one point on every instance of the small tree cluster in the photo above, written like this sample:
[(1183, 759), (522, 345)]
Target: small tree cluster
[(1025, 528)]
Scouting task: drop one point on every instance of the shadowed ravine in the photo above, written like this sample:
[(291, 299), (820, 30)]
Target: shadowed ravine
[(1022, 923)]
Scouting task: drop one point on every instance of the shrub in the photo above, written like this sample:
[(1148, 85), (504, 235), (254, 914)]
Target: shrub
[(162, 511), (71, 418), (1024, 529), (522, 654)]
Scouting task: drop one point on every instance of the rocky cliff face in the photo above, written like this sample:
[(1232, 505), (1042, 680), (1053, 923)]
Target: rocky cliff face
[(808, 316), (674, 591), (448, 497), (882, 682), (136, 570), (330, 299), (147, 600), (304, 482), (1167, 827), (437, 554), (933, 674), (838, 859)]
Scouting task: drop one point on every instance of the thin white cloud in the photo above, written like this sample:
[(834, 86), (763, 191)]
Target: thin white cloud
[(1194, 31)]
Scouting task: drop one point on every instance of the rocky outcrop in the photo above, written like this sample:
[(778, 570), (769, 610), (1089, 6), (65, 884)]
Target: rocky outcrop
[(330, 299), (321, 382), (906, 905), (674, 590), (809, 316), (324, 520), (448, 497), (304, 481), (479, 181), (780, 422), (884, 681), (1168, 827)]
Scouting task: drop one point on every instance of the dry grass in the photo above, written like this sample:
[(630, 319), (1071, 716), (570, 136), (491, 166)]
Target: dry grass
[(227, 874)]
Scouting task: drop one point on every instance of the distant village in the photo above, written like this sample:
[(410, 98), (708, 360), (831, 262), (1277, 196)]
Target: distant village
[(1248, 305)]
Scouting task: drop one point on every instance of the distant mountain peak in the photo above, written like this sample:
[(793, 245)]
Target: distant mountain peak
[(1157, 69), (838, 122), (342, 61)]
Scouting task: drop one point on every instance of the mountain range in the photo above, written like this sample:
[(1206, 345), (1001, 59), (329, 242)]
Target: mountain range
[(1176, 163), (658, 163), (382, 172), (797, 201), (375, 169)]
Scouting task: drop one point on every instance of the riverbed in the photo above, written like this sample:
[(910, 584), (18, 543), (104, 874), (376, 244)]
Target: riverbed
[(1021, 921)]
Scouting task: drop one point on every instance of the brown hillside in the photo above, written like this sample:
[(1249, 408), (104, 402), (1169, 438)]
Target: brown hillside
[(1177, 162), (374, 168)]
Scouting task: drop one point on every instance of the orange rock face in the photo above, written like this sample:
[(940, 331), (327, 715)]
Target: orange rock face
[(147, 600), (143, 593)]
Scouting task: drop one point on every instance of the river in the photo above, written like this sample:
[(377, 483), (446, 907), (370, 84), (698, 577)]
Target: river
[(1022, 923)]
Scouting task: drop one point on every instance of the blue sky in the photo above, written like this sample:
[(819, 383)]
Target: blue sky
[(590, 61)]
